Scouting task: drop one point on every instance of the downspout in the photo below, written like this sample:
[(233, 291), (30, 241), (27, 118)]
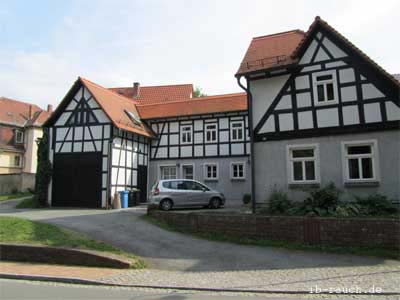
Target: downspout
[(250, 117)]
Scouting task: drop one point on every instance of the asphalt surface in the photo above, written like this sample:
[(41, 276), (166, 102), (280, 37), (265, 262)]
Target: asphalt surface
[(20, 290), (165, 250)]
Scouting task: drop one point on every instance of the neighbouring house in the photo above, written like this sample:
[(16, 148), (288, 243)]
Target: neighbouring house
[(320, 110), (107, 140), (20, 127)]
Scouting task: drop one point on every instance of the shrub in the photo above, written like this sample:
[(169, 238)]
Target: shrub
[(14, 191), (278, 202), (43, 171), (375, 204), (246, 198), (321, 202)]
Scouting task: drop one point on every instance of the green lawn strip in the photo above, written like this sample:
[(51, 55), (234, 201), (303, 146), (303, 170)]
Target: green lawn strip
[(14, 196), (29, 203), (22, 231), (364, 251)]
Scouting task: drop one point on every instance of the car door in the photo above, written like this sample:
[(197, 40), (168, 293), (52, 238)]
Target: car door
[(179, 193), (195, 193)]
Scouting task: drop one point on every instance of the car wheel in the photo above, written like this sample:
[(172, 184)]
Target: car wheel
[(166, 205), (215, 203)]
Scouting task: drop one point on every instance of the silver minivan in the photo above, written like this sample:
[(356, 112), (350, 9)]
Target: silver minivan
[(184, 193)]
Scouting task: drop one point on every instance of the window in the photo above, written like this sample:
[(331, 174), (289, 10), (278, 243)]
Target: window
[(238, 170), (360, 161), (168, 172), (325, 88), (19, 137), (303, 165), (211, 133), (186, 134), (211, 172), (237, 131), (17, 161), (187, 171), (193, 186)]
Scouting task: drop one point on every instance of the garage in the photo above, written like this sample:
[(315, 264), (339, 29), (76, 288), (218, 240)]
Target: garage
[(77, 180)]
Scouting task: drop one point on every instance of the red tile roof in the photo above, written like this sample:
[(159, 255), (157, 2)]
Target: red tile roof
[(283, 49), (20, 113), (115, 107), (270, 51), (195, 106), (158, 94)]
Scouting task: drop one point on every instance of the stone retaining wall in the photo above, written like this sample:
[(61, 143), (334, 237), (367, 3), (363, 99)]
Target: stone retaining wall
[(349, 232), (63, 256)]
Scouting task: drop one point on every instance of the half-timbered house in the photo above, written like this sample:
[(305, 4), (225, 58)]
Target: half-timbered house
[(205, 139), (320, 111), (102, 141), (98, 145)]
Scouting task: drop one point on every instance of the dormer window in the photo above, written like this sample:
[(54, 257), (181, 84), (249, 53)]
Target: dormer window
[(19, 137), (325, 88)]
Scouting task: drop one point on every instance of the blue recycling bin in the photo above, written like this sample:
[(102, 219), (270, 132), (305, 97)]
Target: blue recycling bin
[(124, 199)]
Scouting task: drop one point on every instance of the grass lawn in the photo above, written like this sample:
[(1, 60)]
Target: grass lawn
[(28, 203), (372, 251), (13, 196), (22, 231)]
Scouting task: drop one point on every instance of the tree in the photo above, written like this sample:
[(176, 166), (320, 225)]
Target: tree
[(44, 170), (198, 92)]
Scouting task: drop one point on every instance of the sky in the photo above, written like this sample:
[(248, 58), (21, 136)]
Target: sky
[(46, 45)]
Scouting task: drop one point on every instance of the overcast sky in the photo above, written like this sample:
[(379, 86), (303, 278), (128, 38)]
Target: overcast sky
[(46, 45)]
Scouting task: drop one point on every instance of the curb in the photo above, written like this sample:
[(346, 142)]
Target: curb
[(73, 280)]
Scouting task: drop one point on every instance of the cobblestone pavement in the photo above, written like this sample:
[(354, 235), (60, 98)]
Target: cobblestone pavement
[(365, 279)]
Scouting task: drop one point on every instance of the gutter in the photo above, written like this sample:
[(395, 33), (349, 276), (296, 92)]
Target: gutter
[(250, 117)]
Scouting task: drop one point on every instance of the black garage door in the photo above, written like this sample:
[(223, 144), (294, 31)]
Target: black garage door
[(77, 180)]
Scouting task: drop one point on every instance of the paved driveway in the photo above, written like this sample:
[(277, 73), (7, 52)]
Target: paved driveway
[(174, 251)]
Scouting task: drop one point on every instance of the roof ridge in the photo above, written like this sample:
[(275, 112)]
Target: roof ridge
[(278, 33), (150, 86), (110, 91), (196, 99), (19, 101)]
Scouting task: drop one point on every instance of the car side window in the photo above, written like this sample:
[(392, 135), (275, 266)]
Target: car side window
[(193, 186), (173, 185), (181, 185)]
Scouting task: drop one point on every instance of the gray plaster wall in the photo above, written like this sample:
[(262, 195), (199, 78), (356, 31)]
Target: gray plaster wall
[(271, 165), (232, 189)]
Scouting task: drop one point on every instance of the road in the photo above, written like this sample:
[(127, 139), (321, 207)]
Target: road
[(172, 251), (21, 290)]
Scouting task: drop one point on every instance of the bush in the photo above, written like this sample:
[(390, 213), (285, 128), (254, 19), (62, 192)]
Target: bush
[(375, 204), (246, 198), (278, 202), (43, 171)]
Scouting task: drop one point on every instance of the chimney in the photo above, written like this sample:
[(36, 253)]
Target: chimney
[(30, 112), (49, 108), (136, 90)]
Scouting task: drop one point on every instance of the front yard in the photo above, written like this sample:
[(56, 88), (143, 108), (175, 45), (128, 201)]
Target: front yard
[(13, 196), (22, 231)]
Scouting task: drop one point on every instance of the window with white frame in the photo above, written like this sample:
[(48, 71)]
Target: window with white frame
[(303, 163), (186, 134), (325, 87), (238, 170), (17, 161), (167, 172), (237, 131), (360, 161), (211, 172), (188, 171), (19, 137), (211, 133)]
